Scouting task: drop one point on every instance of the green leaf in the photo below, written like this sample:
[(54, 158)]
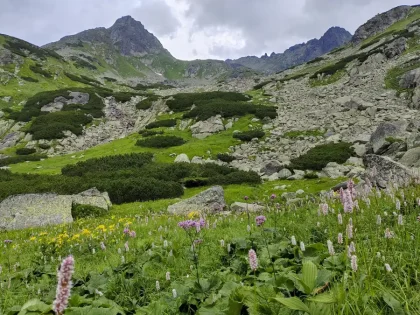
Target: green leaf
[(293, 303), (35, 305), (309, 275), (323, 277), (325, 298), (393, 303)]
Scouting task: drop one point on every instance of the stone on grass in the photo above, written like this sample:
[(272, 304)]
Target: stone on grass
[(243, 207), (182, 158)]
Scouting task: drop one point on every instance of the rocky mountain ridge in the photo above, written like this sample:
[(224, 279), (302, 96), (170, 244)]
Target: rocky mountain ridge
[(333, 38)]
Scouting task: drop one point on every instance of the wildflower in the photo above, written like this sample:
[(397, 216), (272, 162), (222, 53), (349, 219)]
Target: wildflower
[(222, 243), (318, 224), (378, 220), (352, 247), (378, 254), (123, 259), (157, 286), (349, 231), (302, 246), (273, 196), (132, 234), (165, 243), (293, 240), (126, 246), (64, 285), (324, 208), (253, 260), (168, 276), (260, 220), (93, 251), (348, 202), (397, 204), (7, 242), (98, 292), (103, 247), (126, 230), (342, 197), (400, 219), (174, 294), (354, 263), (119, 251), (388, 268), (340, 238), (246, 198), (170, 253), (330, 248), (351, 189), (340, 218), (248, 228), (228, 248), (389, 233)]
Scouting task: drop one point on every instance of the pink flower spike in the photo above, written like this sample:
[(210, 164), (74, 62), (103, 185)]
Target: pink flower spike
[(64, 285), (253, 260)]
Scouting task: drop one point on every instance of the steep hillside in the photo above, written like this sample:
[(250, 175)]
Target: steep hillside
[(335, 37)]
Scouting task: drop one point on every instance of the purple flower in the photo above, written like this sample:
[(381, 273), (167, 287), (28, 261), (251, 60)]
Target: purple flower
[(7, 241), (126, 231), (132, 234), (64, 285), (273, 196), (246, 198), (189, 224), (260, 220)]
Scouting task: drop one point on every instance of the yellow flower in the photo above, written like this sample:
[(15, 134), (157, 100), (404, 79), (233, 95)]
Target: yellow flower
[(43, 233), (86, 232), (193, 214), (33, 238), (75, 237), (111, 227)]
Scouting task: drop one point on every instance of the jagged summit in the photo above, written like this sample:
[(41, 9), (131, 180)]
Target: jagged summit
[(127, 35), (334, 37)]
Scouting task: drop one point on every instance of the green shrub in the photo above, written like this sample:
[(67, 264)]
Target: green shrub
[(108, 163), (293, 77), (196, 182), (44, 146), (52, 125), (21, 158), (124, 96), (80, 63), (110, 79), (318, 59), (161, 142), (143, 87), (18, 46), (249, 135), (84, 79), (38, 69), (303, 133), (311, 175), (25, 151), (149, 133), (184, 101), (29, 79), (225, 157), (147, 103), (318, 157), (162, 123), (86, 211), (236, 178)]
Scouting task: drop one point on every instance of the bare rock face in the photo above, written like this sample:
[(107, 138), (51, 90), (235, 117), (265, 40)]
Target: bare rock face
[(36, 210), (380, 22), (383, 171), (384, 131), (209, 201)]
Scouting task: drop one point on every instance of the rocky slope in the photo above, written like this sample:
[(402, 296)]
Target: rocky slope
[(335, 37)]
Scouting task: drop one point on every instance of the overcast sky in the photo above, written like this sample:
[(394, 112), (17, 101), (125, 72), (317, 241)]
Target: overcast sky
[(192, 29)]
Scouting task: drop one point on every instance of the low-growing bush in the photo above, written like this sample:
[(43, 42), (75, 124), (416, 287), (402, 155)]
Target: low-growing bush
[(161, 142), (80, 63), (110, 79), (184, 101), (124, 96), (87, 211), (318, 157), (147, 103), (52, 125), (224, 157), (25, 151), (29, 79), (149, 133), (21, 158), (162, 123), (19, 47), (38, 69), (107, 164), (84, 79), (311, 175), (196, 182), (249, 135), (235, 178), (318, 59)]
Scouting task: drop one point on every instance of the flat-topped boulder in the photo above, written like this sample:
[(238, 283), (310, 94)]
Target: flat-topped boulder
[(37, 210)]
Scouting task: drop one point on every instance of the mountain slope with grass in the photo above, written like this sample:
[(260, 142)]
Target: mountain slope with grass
[(303, 185)]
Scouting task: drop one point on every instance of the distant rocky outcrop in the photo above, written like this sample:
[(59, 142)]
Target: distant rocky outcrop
[(298, 54), (209, 201), (380, 22), (36, 210)]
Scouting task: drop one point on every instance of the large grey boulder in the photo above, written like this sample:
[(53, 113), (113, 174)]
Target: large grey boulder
[(36, 210), (60, 101), (396, 48), (284, 173), (383, 171), (244, 207), (182, 158), (271, 167), (203, 129), (334, 170), (209, 201), (411, 158), (385, 130)]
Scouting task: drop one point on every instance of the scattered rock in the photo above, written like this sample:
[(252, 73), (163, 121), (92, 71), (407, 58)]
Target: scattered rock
[(284, 173), (203, 129), (244, 207), (385, 130), (209, 201), (411, 158), (182, 158), (271, 167)]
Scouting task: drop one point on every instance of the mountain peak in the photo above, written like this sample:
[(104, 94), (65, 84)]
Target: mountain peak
[(127, 20)]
